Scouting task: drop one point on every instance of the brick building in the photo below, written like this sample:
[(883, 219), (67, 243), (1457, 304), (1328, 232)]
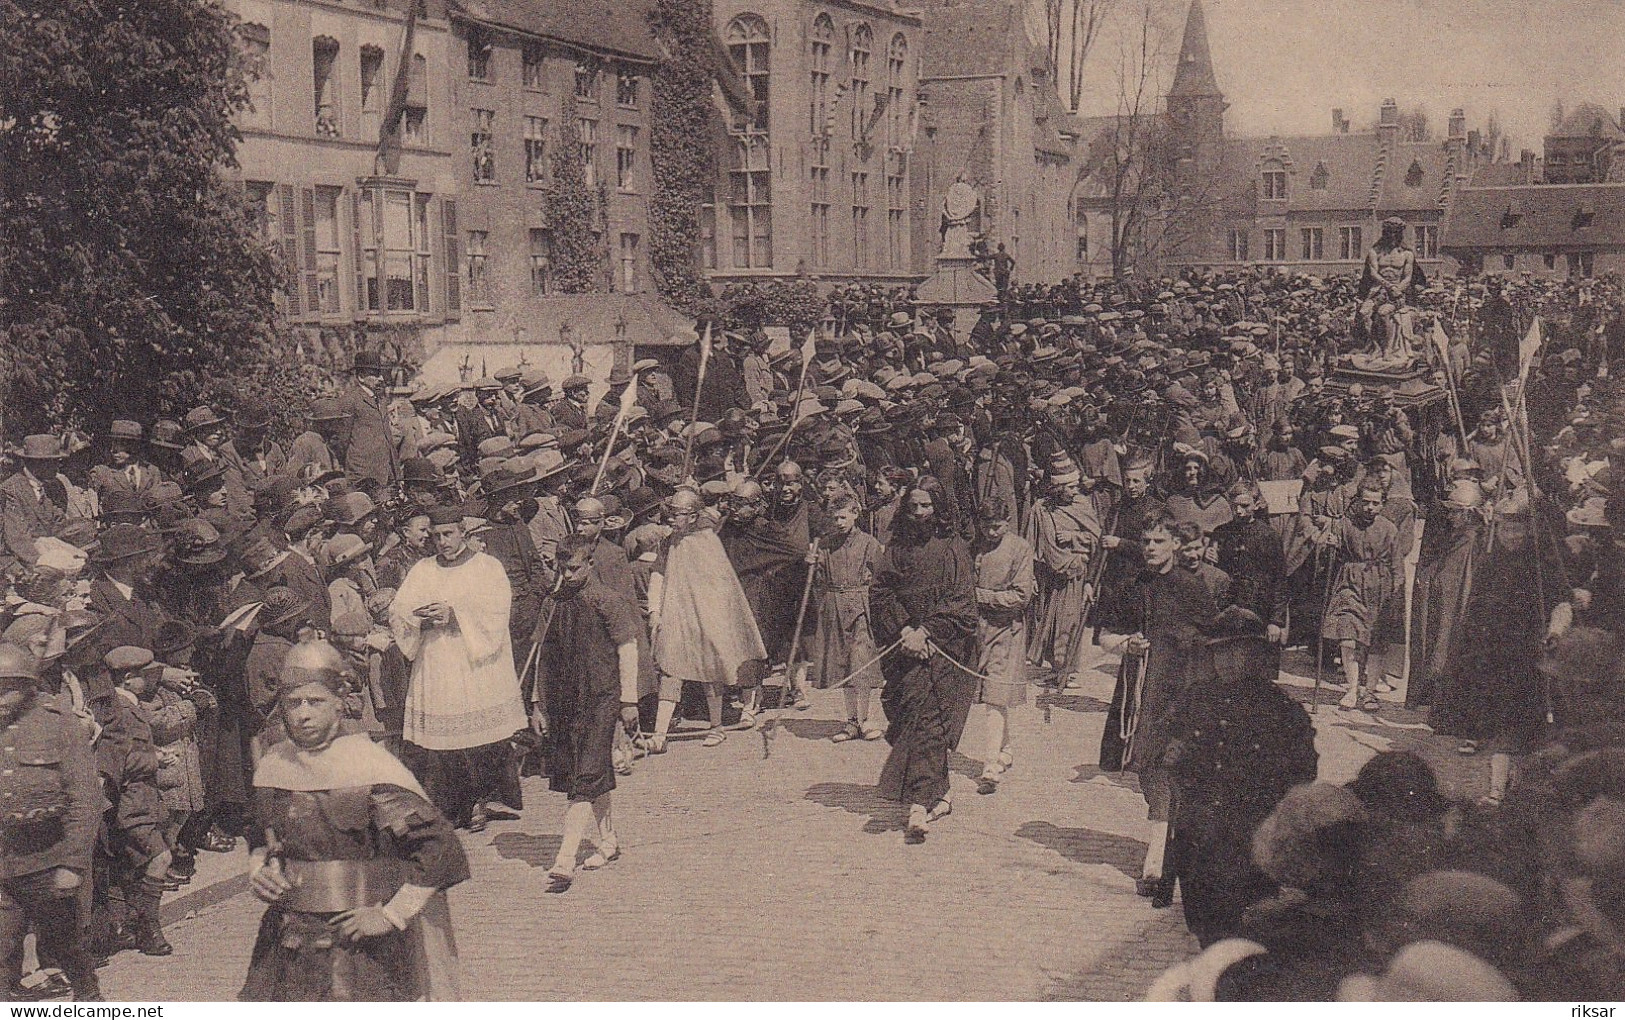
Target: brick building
[(991, 115), (364, 245), (1310, 203), (818, 181), (526, 80)]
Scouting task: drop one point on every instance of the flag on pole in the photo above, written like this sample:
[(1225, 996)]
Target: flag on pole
[(809, 351), (1527, 348), (705, 347), (1442, 341), (629, 398)]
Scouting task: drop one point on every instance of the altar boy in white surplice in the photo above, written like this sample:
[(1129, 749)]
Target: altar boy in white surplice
[(450, 618)]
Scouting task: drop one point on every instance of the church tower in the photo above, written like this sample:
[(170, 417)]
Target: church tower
[(1196, 122)]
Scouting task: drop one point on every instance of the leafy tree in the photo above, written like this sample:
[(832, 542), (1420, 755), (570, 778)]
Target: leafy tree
[(131, 271), (573, 216)]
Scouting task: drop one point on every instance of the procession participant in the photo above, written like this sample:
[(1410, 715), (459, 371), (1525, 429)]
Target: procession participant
[(262, 456), (1251, 553), (1366, 550), (412, 532), (1064, 534), (1238, 744), (1153, 624), (128, 560), (351, 857), (701, 626), (33, 505), (47, 830), (1004, 587), (450, 618), (587, 671), (363, 433), (843, 570), (126, 471), (508, 540), (1279, 459), (1196, 494), (530, 414), (924, 594)]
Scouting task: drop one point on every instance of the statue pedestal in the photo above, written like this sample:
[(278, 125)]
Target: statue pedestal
[(1411, 385), (957, 285)]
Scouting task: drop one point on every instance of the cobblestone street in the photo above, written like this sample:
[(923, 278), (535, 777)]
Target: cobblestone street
[(787, 878)]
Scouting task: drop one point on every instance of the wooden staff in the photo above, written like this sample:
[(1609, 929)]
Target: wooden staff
[(694, 415)]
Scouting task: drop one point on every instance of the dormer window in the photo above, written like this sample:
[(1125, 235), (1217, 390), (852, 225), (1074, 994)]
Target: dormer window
[(1274, 184), (1319, 177), (1413, 176)]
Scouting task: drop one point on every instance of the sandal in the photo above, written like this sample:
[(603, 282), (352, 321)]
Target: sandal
[(1351, 700), (1384, 687), (1467, 747), (217, 843), (559, 881), (851, 731), (713, 738), (941, 809), (1369, 703), (872, 732), (1006, 759), (747, 720), (657, 743), (599, 859)]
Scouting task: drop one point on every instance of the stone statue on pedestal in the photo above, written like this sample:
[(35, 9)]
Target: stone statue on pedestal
[(958, 206)]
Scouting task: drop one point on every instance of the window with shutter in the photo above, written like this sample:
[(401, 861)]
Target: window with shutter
[(290, 246), (360, 252), (307, 221), (454, 259)]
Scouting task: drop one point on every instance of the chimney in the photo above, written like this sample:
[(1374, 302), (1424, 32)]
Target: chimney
[(1526, 160), (1458, 124), (1340, 124), (1621, 120), (1388, 124)]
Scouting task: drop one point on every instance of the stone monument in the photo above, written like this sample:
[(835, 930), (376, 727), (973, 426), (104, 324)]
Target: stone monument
[(957, 283)]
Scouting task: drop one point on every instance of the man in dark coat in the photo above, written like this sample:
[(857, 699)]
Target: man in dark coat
[(32, 501), (924, 595), (1238, 744), (50, 773), (364, 435), (129, 557)]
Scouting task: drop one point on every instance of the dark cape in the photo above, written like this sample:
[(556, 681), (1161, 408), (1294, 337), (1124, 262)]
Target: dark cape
[(770, 558)]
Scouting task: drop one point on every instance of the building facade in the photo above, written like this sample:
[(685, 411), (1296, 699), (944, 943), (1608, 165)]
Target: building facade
[(990, 116), (1310, 203), (528, 82), (365, 243), (818, 181)]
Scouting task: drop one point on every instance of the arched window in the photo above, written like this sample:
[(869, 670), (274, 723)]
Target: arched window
[(863, 45), (1318, 178), (896, 77), (750, 201), (747, 39), (823, 40), (1413, 176), (1274, 181)]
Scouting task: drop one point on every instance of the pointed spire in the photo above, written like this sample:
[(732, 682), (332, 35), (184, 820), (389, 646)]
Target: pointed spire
[(1194, 75)]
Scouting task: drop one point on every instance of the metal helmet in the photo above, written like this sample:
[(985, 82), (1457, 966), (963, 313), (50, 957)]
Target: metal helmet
[(18, 663), (311, 662)]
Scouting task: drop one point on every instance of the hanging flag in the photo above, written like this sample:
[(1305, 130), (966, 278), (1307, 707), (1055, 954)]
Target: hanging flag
[(1442, 342), (705, 347), (629, 398), (809, 350), (388, 157)]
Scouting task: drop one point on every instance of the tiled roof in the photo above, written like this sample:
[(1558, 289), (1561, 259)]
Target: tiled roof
[(1355, 172), (1550, 217), (1498, 175), (611, 27), (1588, 120), (1429, 159)]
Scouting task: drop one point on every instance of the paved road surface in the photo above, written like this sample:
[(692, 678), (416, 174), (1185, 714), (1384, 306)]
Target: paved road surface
[(787, 878)]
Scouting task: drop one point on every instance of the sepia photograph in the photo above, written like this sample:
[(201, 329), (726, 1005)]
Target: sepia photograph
[(811, 501)]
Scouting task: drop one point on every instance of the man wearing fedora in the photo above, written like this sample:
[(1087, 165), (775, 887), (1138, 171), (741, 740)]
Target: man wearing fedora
[(211, 445), (570, 410), (32, 501), (364, 436), (312, 452), (127, 561), (126, 471)]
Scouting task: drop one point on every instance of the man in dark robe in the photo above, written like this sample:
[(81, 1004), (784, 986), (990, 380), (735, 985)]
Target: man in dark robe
[(924, 594), (1238, 744), (770, 557), (1251, 552), (588, 667), (1153, 624)]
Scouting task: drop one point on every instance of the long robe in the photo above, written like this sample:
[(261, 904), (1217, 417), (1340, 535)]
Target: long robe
[(925, 582), (1064, 540), (1443, 585), (770, 559), (844, 639), (464, 692), (1368, 570), (1167, 608), (579, 670), (707, 631), (1004, 587), (352, 801)]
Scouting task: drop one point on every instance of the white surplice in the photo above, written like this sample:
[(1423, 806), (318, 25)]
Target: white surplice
[(464, 692)]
